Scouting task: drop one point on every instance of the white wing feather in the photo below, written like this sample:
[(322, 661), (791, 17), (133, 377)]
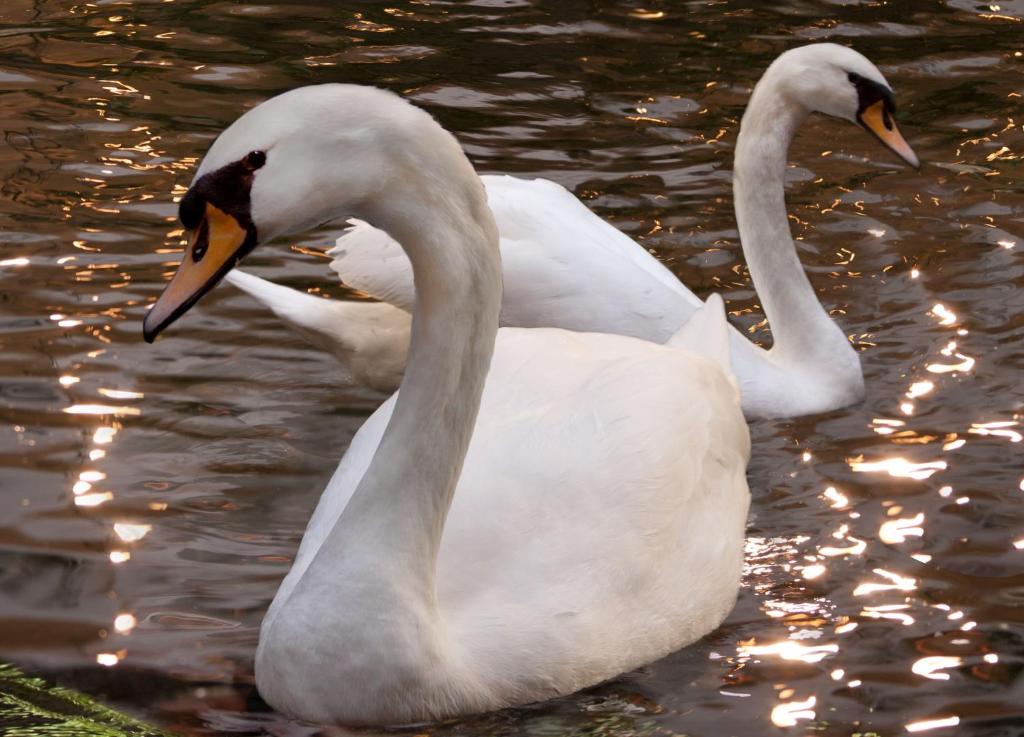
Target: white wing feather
[(563, 266)]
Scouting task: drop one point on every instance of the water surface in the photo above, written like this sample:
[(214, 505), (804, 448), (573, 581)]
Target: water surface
[(151, 497)]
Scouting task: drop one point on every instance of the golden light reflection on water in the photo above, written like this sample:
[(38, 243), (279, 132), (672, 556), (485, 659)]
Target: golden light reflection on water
[(104, 434), (838, 499), (895, 612), (129, 532), (885, 426), (933, 666), (788, 650), (997, 429), (109, 659), (94, 499), (124, 623), (898, 467), (120, 394), (84, 492), (102, 409), (944, 315), (857, 547), (927, 724), (964, 365), (787, 714), (898, 530), (896, 583), (919, 389), (812, 572)]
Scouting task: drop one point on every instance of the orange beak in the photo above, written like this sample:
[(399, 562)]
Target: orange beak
[(214, 247), (879, 122)]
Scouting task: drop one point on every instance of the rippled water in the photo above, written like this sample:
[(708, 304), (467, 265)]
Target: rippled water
[(171, 483)]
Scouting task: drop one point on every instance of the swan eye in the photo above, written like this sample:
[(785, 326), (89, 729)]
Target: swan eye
[(256, 159)]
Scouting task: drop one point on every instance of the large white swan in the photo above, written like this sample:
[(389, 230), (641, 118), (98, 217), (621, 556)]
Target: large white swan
[(566, 267), (589, 519)]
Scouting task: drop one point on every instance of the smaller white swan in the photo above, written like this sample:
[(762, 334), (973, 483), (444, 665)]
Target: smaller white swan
[(587, 520), (565, 267)]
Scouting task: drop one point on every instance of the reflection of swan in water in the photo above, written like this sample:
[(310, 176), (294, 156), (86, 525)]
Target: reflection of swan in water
[(598, 518), (565, 267)]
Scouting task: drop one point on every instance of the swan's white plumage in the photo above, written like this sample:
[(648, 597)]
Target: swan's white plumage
[(581, 541), (369, 339), (589, 518), (562, 266), (566, 267), (707, 333)]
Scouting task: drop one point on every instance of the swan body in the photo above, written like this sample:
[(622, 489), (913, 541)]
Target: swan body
[(556, 570), (565, 267), (535, 510)]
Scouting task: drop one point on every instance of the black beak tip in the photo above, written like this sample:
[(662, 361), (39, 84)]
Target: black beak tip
[(150, 331)]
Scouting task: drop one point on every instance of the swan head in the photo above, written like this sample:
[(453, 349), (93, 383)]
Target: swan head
[(838, 81), (291, 163)]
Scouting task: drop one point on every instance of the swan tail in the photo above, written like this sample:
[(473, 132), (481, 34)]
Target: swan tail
[(369, 339), (707, 333), (308, 315)]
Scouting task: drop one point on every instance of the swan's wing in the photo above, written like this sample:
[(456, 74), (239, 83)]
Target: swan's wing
[(548, 216), (563, 266), (370, 260), (706, 333), (369, 339), (618, 464), (566, 267)]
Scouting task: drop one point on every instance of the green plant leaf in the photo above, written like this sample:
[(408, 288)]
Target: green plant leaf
[(31, 708)]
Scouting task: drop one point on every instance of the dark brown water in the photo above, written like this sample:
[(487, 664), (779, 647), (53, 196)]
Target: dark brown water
[(885, 586)]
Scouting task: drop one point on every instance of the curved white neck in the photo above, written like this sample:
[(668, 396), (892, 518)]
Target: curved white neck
[(382, 553), (801, 328)]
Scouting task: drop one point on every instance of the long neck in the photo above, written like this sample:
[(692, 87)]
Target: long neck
[(800, 326), (384, 547)]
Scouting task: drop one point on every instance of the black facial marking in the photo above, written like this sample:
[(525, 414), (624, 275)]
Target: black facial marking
[(191, 210), (227, 189), (869, 92)]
